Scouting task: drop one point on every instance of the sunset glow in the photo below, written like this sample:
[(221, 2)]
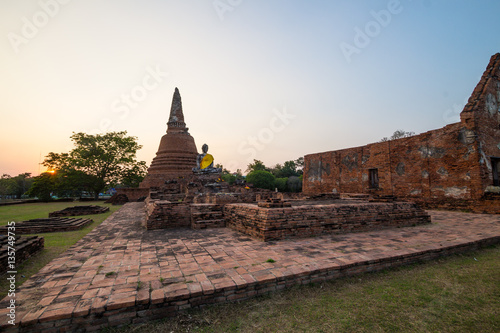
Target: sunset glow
[(259, 80)]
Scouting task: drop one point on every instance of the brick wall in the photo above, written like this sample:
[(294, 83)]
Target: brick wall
[(432, 164), (305, 221), (162, 214)]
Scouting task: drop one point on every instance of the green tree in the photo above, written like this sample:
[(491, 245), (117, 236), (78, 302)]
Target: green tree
[(43, 186), (15, 186), (133, 176), (256, 166), (7, 186), (23, 182), (97, 161), (299, 162), (277, 170), (261, 179), (288, 169)]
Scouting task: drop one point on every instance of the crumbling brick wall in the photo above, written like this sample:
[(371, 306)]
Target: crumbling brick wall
[(433, 164), (163, 214)]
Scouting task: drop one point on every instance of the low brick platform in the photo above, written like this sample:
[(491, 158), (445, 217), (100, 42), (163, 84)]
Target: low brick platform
[(265, 222), (51, 224), (25, 247), (79, 210), (121, 273)]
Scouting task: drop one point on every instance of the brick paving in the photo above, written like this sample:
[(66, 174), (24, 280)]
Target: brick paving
[(121, 273)]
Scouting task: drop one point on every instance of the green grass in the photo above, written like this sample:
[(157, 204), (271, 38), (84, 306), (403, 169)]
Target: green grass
[(55, 242), (456, 294)]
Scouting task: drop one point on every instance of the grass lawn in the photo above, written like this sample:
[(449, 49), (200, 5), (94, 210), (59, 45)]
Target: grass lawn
[(455, 294), (55, 242)]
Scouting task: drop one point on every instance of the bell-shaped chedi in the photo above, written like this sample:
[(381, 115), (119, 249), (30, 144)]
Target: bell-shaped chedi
[(176, 156)]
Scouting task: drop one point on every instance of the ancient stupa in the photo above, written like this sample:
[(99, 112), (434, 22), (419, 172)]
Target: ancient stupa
[(176, 156)]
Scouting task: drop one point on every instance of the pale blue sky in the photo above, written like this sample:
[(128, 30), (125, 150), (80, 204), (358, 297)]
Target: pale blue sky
[(258, 79)]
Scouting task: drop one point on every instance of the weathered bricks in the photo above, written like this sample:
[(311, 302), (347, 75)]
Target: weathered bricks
[(312, 220), (205, 216)]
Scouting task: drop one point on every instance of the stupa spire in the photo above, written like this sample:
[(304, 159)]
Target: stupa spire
[(176, 119), (177, 153)]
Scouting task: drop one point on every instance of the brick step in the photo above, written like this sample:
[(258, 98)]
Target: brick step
[(203, 224)]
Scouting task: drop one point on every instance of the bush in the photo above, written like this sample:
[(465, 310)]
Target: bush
[(229, 178), (281, 184), (261, 179)]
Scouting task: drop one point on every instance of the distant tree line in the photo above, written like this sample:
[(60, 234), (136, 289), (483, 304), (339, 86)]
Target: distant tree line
[(96, 163), (15, 187), (286, 177)]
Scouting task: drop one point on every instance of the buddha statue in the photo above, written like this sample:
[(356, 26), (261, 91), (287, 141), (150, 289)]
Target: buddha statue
[(205, 162)]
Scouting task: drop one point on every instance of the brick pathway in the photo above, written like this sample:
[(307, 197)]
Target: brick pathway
[(120, 273)]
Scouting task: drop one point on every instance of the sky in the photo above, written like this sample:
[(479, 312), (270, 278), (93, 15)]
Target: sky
[(266, 80)]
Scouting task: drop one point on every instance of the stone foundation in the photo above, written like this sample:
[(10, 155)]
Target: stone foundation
[(269, 224), (51, 224)]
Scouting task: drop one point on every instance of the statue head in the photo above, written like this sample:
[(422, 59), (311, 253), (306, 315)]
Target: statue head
[(204, 148)]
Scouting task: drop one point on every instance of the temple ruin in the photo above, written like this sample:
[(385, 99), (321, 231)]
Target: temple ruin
[(184, 190)]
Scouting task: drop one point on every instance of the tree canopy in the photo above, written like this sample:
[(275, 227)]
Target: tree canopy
[(15, 187), (262, 179), (95, 162), (255, 166)]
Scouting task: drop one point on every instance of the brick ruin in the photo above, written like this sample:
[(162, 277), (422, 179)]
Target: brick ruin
[(309, 220), (51, 224), (79, 210), (25, 248), (456, 166), (177, 152), (178, 195), (183, 195)]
